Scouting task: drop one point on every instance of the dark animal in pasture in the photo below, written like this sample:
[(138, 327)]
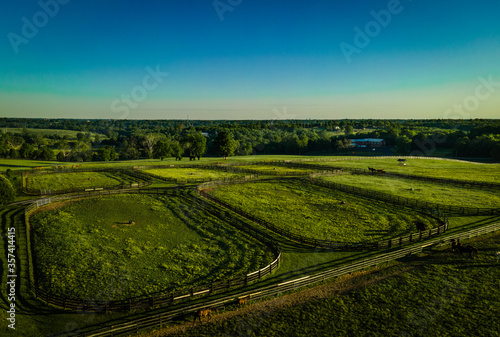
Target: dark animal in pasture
[(453, 245), (371, 169), (381, 171), (468, 249), (202, 313), (420, 225)]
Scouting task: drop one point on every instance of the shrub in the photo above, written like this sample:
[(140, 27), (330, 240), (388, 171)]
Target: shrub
[(7, 192)]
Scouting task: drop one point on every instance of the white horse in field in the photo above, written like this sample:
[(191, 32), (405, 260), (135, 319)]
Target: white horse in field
[(497, 254)]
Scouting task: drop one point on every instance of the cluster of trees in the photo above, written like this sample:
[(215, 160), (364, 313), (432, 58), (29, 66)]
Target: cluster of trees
[(9, 183), (107, 140)]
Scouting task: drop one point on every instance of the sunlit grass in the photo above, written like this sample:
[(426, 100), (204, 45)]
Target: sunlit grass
[(321, 213), (454, 195), (88, 245)]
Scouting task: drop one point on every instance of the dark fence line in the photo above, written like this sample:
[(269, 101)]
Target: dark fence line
[(329, 244), (198, 180), (401, 175), (302, 163), (152, 301), (404, 201), (160, 319), (143, 181)]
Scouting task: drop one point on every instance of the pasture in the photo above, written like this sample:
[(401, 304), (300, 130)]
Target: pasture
[(274, 170), (454, 195), (88, 249), (75, 180), (441, 294), (187, 174), (435, 168), (321, 213)]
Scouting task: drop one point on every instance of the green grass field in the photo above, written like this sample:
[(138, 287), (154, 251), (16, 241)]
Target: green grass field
[(443, 294), (454, 195), (186, 174), (425, 167), (75, 180), (87, 245), (318, 212), (274, 170)]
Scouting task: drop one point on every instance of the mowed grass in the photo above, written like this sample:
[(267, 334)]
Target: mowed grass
[(447, 194), (87, 248), (435, 168), (321, 213), (443, 294), (274, 170), (186, 174), (73, 180)]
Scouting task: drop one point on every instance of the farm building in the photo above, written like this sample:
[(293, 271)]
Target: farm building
[(367, 142)]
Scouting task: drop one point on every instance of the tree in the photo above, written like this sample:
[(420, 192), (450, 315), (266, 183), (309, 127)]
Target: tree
[(195, 144), (61, 156), (225, 145), (26, 151), (349, 129), (177, 150), (7, 192), (162, 149), (402, 144), (149, 142), (107, 153), (45, 153)]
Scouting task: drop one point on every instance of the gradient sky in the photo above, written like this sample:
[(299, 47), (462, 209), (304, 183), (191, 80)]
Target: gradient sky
[(249, 59)]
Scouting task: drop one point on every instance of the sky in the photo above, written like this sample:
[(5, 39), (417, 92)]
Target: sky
[(249, 59)]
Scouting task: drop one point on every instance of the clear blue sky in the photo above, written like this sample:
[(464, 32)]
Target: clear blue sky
[(249, 59)]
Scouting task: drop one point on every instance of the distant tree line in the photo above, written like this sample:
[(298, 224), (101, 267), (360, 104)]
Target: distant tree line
[(108, 140)]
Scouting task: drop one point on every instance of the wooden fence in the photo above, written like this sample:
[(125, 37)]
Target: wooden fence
[(143, 181), (157, 320), (303, 163), (329, 244), (156, 300), (318, 167), (404, 201), (198, 180)]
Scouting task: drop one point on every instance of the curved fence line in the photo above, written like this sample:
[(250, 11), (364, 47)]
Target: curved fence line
[(318, 242), (158, 320), (302, 163), (145, 302), (404, 201), (198, 180), (144, 180), (402, 175)]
